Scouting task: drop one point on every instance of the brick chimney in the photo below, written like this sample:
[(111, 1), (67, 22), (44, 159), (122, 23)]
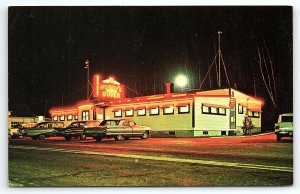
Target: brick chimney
[(169, 88)]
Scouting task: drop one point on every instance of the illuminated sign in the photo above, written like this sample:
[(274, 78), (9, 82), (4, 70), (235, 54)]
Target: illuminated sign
[(108, 89)]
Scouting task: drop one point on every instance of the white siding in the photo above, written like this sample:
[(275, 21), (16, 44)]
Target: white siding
[(210, 121)]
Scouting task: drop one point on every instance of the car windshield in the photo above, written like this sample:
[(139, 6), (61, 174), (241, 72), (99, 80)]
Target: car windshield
[(286, 119), (109, 122)]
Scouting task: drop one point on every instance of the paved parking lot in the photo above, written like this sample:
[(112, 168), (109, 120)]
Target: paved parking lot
[(255, 160)]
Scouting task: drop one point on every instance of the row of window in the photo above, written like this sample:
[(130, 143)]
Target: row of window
[(153, 110), (206, 109), (63, 118), (243, 110)]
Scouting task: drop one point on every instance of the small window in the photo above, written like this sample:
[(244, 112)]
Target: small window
[(205, 109), (76, 117), (62, 118), (168, 110), (222, 111), (223, 132), (85, 115), (70, 117), (129, 113), (118, 113), (240, 109), (214, 110), (183, 109), (172, 133), (205, 132), (141, 112), (55, 118), (154, 111), (255, 114)]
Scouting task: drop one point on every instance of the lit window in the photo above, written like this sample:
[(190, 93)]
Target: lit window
[(241, 108), (205, 109), (129, 113), (168, 110), (222, 111), (256, 114), (154, 111), (183, 109), (69, 118), (62, 118), (55, 118), (118, 113), (76, 117), (85, 115), (249, 113), (214, 110), (141, 112)]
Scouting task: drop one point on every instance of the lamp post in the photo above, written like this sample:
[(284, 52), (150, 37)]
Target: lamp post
[(87, 66), (181, 81)]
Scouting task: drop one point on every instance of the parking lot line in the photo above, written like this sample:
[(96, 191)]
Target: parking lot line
[(167, 159)]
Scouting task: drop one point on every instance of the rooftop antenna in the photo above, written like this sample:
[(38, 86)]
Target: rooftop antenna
[(219, 52), (218, 67)]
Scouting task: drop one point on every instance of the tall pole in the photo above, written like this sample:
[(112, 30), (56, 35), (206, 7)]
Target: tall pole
[(219, 51), (87, 66)]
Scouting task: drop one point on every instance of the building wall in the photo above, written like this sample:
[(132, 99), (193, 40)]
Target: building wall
[(248, 103), (211, 124), (13, 121), (171, 125)]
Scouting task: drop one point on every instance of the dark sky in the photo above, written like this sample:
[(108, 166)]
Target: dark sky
[(143, 47)]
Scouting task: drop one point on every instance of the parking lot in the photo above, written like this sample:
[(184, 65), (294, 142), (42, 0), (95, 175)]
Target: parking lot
[(221, 161)]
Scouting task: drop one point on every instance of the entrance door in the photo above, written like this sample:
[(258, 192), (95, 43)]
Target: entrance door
[(232, 113)]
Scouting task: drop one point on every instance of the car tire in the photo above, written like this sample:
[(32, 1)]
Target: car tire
[(126, 138), (145, 135), (278, 138), (34, 138), (118, 137), (68, 138), (82, 137), (98, 138), (41, 137)]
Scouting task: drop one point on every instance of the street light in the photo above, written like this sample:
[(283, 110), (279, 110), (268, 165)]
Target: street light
[(87, 66), (181, 81)]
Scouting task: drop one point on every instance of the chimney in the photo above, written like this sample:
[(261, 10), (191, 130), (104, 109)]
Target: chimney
[(169, 88)]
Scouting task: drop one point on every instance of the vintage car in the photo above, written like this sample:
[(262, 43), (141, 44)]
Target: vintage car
[(44, 129), (117, 129), (76, 129), (284, 126), (16, 132)]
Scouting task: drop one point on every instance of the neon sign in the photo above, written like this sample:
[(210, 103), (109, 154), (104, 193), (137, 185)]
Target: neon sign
[(108, 89)]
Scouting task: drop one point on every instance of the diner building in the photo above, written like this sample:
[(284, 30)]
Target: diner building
[(219, 112)]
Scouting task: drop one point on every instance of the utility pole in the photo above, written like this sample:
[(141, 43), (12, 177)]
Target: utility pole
[(87, 66), (219, 51)]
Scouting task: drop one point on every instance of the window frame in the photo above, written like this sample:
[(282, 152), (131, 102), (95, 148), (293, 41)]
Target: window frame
[(62, 118), (119, 111), (144, 114), (85, 117), (182, 112), (129, 115), (166, 113), (154, 114)]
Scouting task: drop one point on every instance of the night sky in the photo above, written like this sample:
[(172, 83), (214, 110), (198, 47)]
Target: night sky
[(143, 47)]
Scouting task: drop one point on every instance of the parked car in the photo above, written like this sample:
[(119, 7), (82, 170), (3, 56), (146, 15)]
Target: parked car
[(117, 129), (76, 129), (284, 126), (44, 129), (17, 132)]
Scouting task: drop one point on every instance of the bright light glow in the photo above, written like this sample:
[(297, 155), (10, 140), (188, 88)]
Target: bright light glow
[(181, 81)]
